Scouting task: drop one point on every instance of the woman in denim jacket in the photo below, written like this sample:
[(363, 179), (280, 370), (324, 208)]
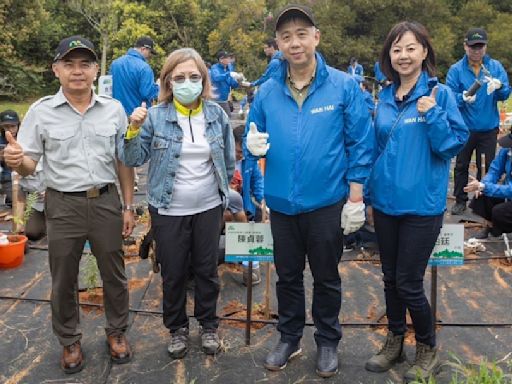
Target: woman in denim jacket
[(191, 147)]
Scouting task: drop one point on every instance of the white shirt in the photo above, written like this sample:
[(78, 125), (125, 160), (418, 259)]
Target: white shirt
[(195, 187)]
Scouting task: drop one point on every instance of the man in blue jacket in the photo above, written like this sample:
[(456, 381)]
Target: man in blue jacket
[(274, 61), (479, 110), (133, 80), (312, 124), (492, 197), (223, 80), (355, 69)]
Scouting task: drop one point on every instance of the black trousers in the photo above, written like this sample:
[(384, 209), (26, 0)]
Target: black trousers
[(483, 142), (318, 235), (497, 211), (405, 244), (184, 244)]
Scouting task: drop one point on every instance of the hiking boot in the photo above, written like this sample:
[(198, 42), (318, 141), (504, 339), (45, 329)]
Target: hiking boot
[(210, 342), (458, 208), (280, 355), (426, 363), (326, 361), (178, 346), (72, 359), (392, 352), (256, 276), (119, 348)]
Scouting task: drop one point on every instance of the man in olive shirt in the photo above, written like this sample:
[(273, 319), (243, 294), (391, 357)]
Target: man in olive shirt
[(77, 132)]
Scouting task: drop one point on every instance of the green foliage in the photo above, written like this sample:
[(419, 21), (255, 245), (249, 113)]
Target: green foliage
[(464, 373), (30, 201), (90, 271), (31, 30)]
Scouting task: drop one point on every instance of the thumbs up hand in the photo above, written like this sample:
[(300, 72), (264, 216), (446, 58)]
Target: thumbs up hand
[(257, 141), (426, 102), (139, 115), (13, 152)]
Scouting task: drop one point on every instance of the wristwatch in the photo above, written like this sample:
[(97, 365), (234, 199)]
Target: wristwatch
[(128, 207)]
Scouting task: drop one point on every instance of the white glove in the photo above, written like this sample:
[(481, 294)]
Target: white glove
[(352, 217), (492, 84), (257, 141), (237, 76), (468, 99), (245, 84)]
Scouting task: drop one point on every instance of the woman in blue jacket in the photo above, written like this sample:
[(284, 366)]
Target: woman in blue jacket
[(418, 130), (190, 144)]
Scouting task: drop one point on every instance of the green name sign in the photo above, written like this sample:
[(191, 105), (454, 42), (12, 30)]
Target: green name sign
[(449, 248), (249, 242)]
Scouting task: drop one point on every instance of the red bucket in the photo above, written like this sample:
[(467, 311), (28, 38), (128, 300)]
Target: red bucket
[(12, 254)]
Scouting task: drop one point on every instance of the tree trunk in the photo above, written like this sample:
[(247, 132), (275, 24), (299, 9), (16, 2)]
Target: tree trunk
[(104, 49)]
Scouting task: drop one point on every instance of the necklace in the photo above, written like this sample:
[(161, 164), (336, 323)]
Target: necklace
[(299, 90)]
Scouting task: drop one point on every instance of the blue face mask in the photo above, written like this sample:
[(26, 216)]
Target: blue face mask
[(187, 92)]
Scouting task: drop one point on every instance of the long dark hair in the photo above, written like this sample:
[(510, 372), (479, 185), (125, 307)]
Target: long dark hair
[(396, 33)]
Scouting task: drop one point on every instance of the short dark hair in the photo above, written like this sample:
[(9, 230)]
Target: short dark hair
[(238, 133), (396, 33), (271, 43)]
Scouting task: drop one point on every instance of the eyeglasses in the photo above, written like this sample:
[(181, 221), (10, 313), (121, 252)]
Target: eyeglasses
[(181, 79)]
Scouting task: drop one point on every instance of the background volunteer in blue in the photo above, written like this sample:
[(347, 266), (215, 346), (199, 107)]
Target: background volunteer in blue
[(492, 195), (133, 80), (311, 122), (418, 129), (480, 111)]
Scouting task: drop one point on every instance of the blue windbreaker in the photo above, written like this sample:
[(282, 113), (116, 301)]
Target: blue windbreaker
[(379, 75), (317, 149), (410, 174), (502, 164), (273, 65), (222, 81), (483, 114), (133, 81)]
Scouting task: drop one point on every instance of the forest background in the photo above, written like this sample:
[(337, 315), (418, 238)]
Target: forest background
[(31, 29)]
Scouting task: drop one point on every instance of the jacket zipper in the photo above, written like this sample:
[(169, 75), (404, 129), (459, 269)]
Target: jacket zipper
[(190, 125)]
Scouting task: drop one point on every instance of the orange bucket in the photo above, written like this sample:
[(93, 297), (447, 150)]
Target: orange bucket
[(12, 254)]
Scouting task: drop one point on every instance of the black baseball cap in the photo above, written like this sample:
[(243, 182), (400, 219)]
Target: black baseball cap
[(292, 11), (146, 42), (506, 141), (71, 43), (476, 36), (222, 53), (9, 117)]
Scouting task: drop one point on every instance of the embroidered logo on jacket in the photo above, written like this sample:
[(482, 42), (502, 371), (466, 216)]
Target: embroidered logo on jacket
[(325, 108)]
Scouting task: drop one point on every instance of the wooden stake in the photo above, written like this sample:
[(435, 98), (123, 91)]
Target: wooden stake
[(17, 206)]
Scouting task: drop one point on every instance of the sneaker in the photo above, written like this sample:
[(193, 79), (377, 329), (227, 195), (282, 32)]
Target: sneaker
[(426, 364), (256, 276), (483, 234), (210, 342), (178, 346), (458, 208), (280, 355), (391, 352), (326, 361)]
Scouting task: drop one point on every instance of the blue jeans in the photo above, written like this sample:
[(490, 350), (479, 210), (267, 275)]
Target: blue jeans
[(405, 244)]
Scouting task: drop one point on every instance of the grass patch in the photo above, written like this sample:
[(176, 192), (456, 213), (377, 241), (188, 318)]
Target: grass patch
[(21, 108)]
